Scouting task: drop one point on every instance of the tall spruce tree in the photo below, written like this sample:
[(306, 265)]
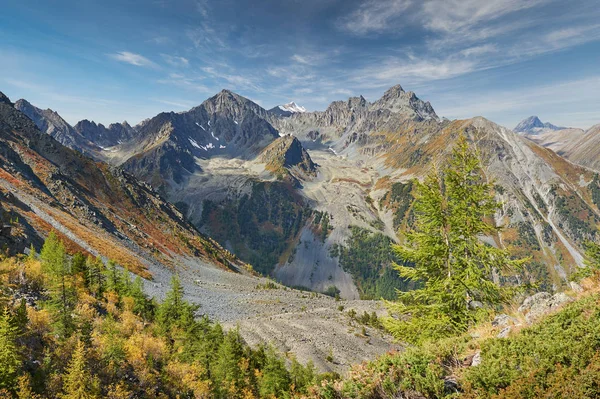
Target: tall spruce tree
[(445, 255)]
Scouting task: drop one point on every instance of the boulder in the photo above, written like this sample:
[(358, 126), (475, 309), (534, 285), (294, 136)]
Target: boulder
[(541, 304)]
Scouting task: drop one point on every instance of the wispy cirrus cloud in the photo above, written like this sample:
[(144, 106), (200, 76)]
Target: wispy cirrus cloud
[(175, 61), (373, 16), (133, 59)]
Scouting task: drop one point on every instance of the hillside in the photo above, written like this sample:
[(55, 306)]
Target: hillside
[(579, 146)]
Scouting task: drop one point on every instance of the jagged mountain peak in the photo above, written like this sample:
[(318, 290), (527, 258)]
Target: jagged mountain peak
[(287, 152), (394, 90), (533, 125), (4, 99), (397, 100)]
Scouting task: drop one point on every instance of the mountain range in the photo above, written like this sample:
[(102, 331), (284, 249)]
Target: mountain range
[(291, 193)]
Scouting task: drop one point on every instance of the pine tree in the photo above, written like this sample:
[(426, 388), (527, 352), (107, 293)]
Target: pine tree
[(275, 379), (62, 292), (79, 266), (96, 279), (174, 312), (24, 388), (9, 354), (78, 383), (21, 319), (114, 280), (445, 255), (226, 371)]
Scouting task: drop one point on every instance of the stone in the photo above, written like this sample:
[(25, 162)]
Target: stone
[(476, 359), (575, 287), (504, 332), (541, 304)]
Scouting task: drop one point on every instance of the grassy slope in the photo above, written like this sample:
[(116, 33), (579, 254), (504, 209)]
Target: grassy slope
[(557, 357)]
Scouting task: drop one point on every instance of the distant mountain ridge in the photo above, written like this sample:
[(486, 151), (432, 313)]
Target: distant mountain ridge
[(533, 125), (52, 123)]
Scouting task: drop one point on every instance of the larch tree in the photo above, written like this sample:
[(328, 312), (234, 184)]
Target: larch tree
[(62, 290), (78, 382), (444, 254), (10, 361)]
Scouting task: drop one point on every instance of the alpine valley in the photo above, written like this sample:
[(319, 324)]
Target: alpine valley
[(229, 193)]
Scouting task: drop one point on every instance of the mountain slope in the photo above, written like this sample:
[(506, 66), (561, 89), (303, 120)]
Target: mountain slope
[(102, 136), (286, 156), (96, 208), (578, 146)]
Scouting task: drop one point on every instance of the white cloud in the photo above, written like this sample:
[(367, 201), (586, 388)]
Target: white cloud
[(374, 16), (175, 61), (461, 15), (479, 50), (411, 70), (176, 103), (133, 59)]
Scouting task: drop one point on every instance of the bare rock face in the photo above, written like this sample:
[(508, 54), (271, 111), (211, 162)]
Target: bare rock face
[(110, 136), (50, 122), (287, 153), (541, 304), (5, 100)]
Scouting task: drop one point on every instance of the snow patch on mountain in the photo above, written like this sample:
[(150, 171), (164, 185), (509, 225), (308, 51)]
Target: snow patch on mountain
[(292, 107)]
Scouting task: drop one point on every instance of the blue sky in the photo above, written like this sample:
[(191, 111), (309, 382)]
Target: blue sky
[(128, 60)]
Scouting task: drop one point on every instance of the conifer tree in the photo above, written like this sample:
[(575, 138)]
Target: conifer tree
[(174, 311), (79, 266), (96, 279), (114, 281), (275, 379), (78, 383), (453, 209), (226, 371), (20, 318), (9, 355), (63, 296)]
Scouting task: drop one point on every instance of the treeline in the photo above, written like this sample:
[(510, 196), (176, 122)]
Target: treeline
[(73, 328), (369, 258)]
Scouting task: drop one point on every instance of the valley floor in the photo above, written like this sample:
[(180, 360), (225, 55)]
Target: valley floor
[(312, 326)]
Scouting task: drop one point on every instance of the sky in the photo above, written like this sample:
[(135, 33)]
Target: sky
[(116, 60)]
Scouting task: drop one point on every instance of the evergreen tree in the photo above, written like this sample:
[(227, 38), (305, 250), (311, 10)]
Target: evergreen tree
[(78, 383), (62, 292), (32, 253), (114, 280), (79, 266), (24, 388), (96, 279), (226, 370), (453, 210), (174, 312), (275, 379), (21, 319), (9, 355)]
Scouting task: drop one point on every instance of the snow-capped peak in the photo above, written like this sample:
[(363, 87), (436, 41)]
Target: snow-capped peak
[(292, 107)]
